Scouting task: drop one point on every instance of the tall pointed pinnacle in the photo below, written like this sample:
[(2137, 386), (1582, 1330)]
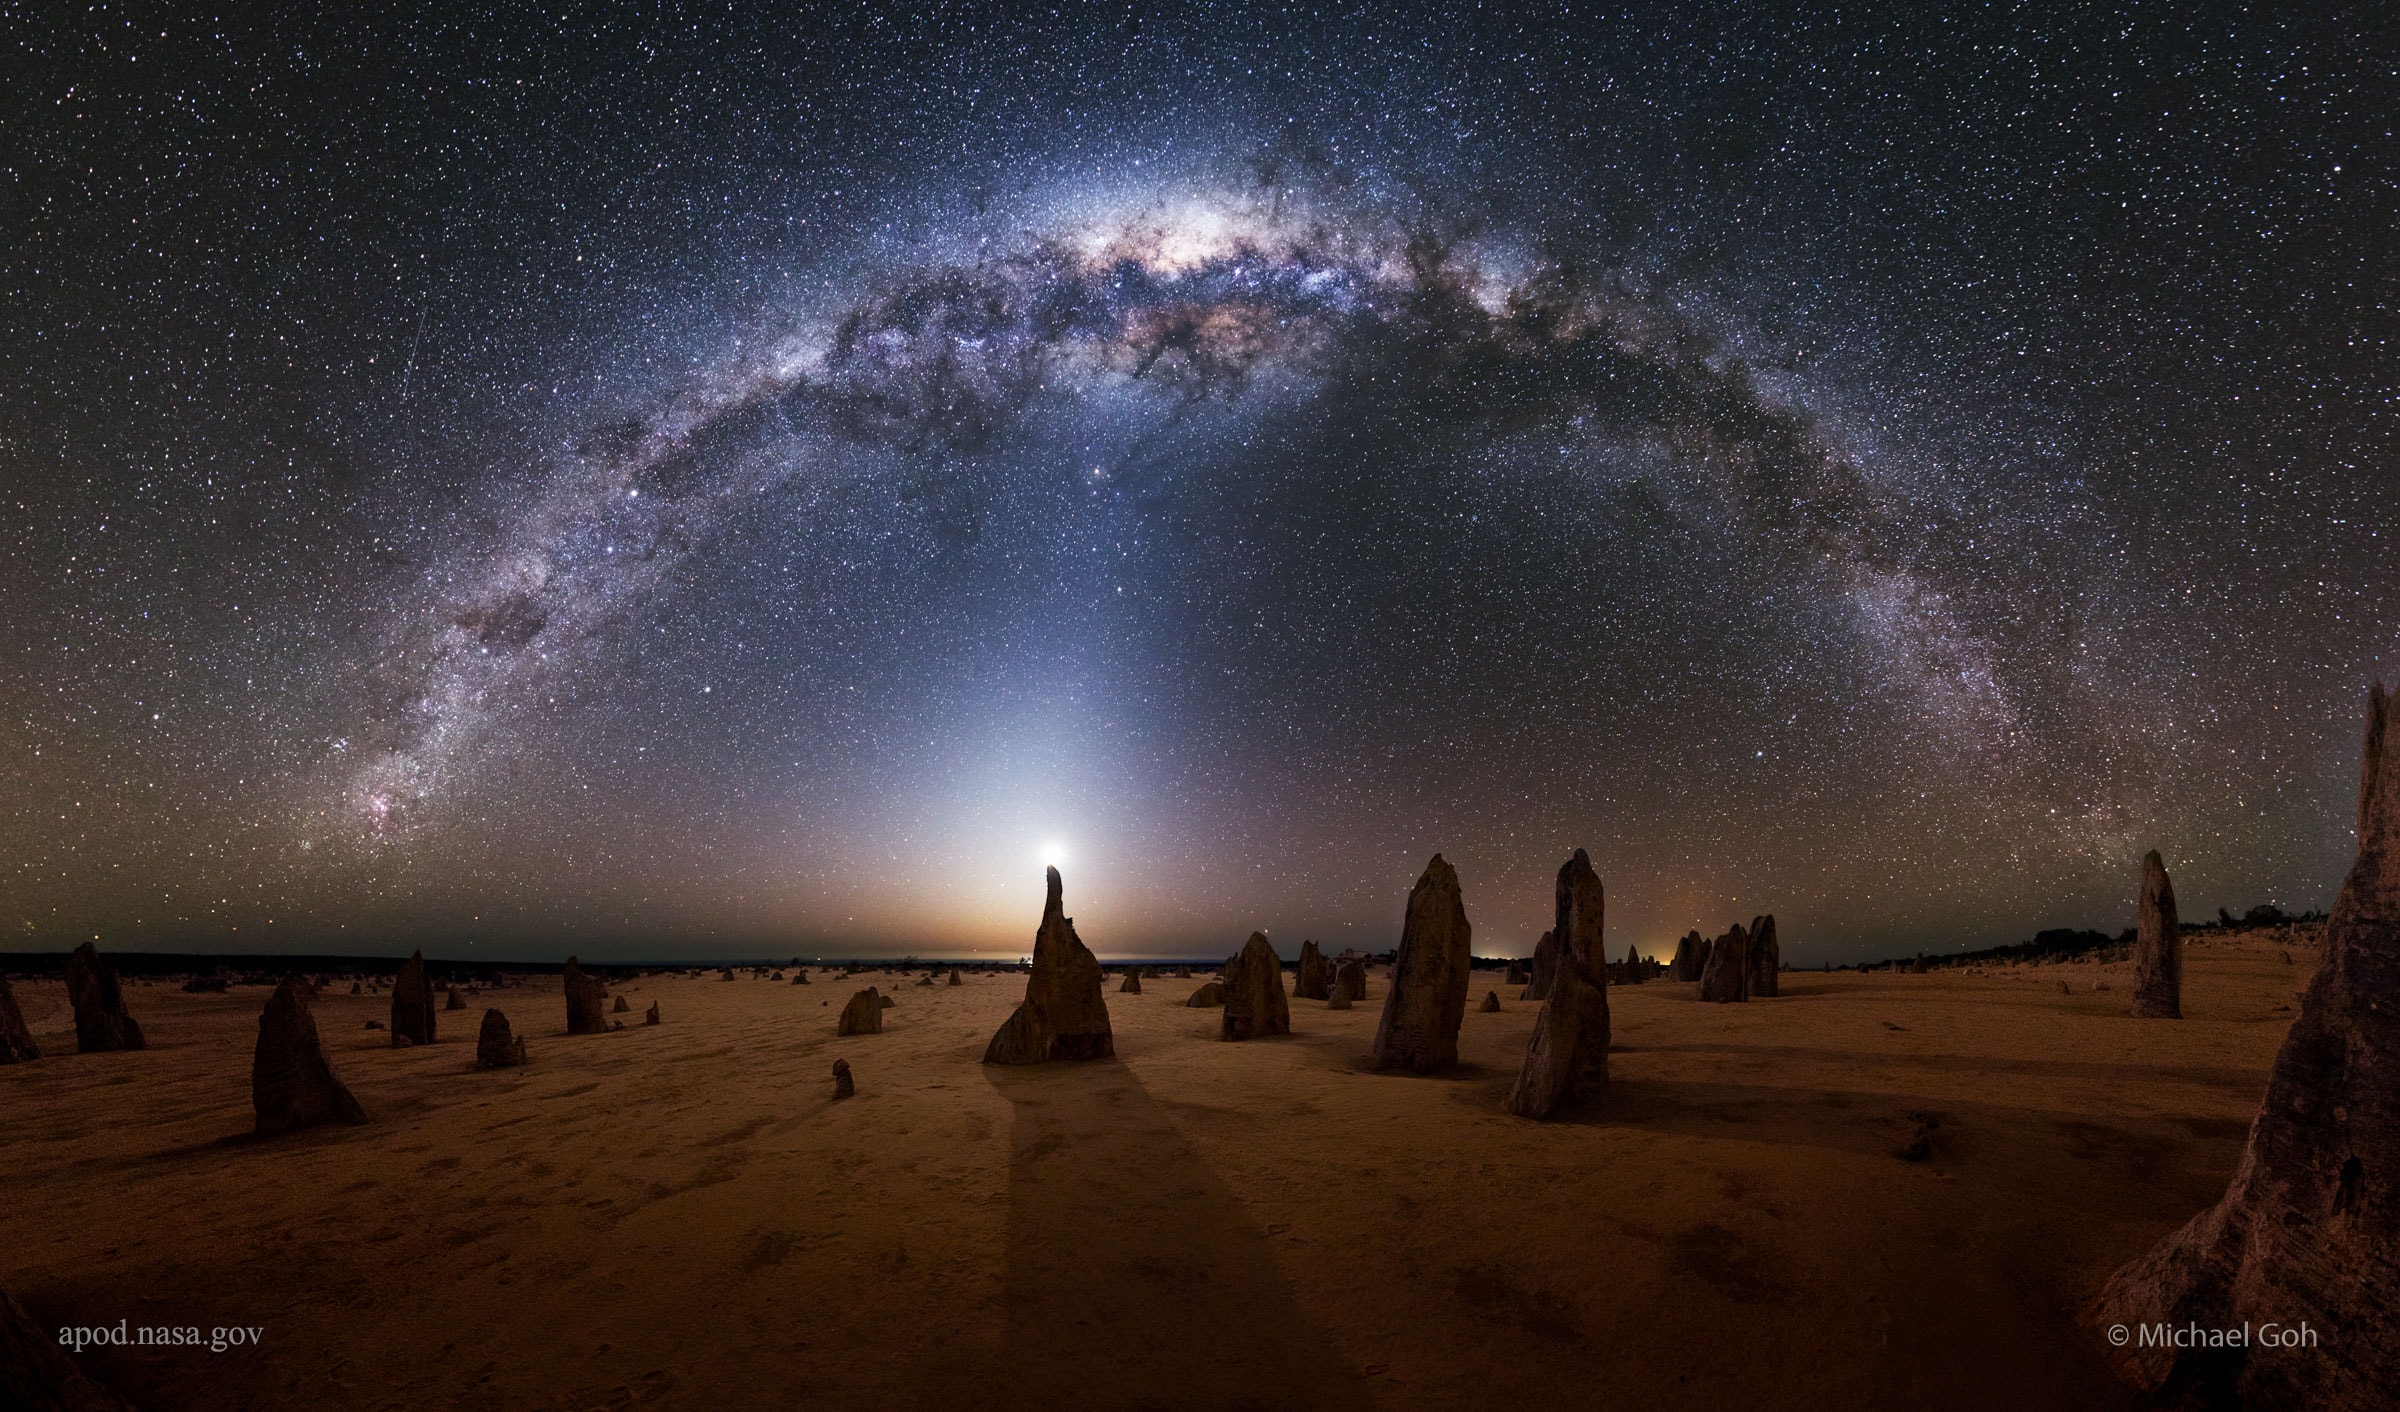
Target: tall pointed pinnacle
[(2158, 946), (1254, 999), (1567, 1054), (1063, 1015), (1430, 973), (291, 1085), (412, 1004), (1766, 957), (101, 1021), (584, 1015), (1314, 980), (1725, 977)]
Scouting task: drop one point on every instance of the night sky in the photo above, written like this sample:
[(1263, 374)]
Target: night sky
[(663, 483)]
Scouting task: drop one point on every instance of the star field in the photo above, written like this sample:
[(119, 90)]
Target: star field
[(671, 481)]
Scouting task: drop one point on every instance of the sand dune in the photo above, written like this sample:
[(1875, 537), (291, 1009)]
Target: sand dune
[(679, 1216)]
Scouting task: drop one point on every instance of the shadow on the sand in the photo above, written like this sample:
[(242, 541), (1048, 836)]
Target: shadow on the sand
[(2187, 1156), (1349, 1054), (1133, 1277), (2106, 1071)]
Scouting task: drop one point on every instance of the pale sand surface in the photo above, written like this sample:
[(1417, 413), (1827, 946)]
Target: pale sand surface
[(680, 1217)]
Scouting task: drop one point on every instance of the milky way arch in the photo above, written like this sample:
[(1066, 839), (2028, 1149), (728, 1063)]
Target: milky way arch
[(948, 360)]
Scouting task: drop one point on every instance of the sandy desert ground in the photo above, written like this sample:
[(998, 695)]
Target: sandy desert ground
[(680, 1216)]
